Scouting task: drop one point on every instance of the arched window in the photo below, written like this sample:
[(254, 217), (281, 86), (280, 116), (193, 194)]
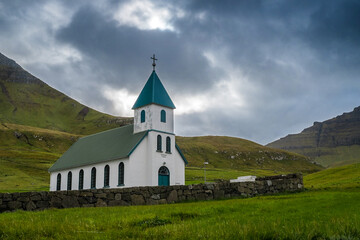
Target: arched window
[(163, 116), (93, 177), (121, 174), (158, 146), (81, 179), (69, 181), (142, 116), (106, 176), (168, 145), (58, 182)]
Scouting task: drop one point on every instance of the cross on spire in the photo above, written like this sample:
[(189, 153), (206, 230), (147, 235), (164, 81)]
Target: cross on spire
[(154, 59)]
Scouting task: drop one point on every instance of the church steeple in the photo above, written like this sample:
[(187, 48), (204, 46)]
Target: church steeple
[(154, 93), (154, 109)]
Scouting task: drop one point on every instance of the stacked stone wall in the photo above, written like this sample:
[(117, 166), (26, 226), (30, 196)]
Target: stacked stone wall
[(149, 195)]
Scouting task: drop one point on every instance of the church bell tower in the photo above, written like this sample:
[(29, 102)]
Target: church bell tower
[(154, 109)]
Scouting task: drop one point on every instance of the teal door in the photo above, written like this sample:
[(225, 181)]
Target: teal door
[(164, 176)]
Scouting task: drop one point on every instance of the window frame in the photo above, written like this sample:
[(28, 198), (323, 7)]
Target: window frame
[(81, 179), (159, 143), (107, 176), (163, 116), (121, 174), (142, 116), (58, 182), (93, 178), (69, 181), (168, 144)]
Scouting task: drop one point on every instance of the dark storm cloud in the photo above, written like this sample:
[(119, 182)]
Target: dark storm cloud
[(316, 42), (126, 51)]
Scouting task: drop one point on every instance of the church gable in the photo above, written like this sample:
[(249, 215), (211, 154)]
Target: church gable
[(101, 147)]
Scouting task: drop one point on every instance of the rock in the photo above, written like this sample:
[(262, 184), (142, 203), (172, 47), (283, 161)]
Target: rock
[(118, 196), (13, 205), (35, 197), (55, 202), (100, 203), (218, 194), (100, 195), (137, 199), (269, 183), (30, 206), (173, 197), (117, 203), (155, 196), (70, 202), (42, 204), (86, 194)]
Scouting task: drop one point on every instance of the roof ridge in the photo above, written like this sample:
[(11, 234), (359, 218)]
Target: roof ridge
[(109, 130)]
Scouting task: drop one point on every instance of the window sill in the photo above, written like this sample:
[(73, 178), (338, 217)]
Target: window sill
[(106, 186), (168, 152), (159, 151), (93, 188), (121, 185)]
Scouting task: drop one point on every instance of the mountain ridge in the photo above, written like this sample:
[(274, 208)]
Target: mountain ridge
[(323, 138)]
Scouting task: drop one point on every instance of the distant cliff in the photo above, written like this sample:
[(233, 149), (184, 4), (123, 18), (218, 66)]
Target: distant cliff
[(341, 133)]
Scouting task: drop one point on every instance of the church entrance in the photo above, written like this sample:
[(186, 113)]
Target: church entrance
[(164, 176)]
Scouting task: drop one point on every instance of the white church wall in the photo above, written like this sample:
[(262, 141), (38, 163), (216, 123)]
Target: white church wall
[(170, 160), (100, 170), (153, 119), (138, 168)]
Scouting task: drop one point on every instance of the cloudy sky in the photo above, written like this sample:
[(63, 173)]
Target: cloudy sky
[(252, 69)]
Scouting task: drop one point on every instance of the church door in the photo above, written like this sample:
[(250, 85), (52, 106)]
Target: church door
[(164, 176)]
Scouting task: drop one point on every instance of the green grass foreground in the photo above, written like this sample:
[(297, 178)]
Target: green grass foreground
[(308, 215)]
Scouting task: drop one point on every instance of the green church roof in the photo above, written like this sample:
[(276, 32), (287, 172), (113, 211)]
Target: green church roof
[(105, 146), (153, 92), (101, 147)]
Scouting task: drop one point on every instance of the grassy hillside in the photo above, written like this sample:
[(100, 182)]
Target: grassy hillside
[(240, 154), (26, 153), (42, 106), (338, 156), (339, 177)]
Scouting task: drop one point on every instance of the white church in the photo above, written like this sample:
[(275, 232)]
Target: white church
[(142, 154)]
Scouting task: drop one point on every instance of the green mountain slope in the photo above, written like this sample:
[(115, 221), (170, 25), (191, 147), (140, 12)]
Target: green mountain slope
[(339, 177), (240, 154), (331, 143), (26, 153), (26, 100)]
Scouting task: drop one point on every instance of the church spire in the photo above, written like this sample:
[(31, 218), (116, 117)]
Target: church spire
[(154, 59)]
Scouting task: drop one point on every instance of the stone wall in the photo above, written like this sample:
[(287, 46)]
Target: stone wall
[(149, 195)]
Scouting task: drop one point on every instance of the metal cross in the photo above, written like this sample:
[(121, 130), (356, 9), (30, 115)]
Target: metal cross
[(154, 59)]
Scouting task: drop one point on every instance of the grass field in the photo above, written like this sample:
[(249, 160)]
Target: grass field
[(308, 215), (340, 177)]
